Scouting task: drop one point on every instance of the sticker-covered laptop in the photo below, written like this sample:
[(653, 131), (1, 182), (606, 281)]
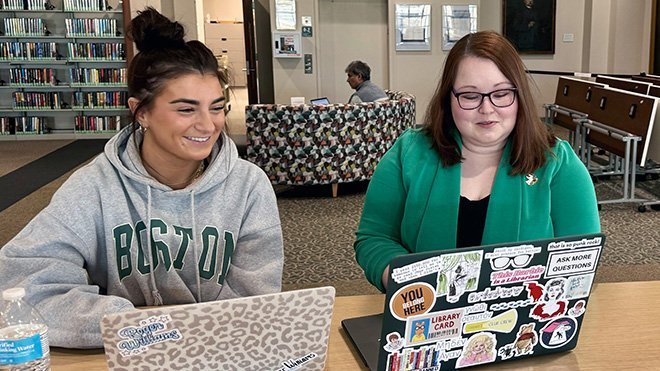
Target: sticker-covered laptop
[(282, 331), (453, 309)]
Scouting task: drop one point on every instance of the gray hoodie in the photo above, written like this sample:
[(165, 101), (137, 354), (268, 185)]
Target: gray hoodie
[(86, 254)]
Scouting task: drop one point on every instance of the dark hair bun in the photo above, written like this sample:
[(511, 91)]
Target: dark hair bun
[(151, 30)]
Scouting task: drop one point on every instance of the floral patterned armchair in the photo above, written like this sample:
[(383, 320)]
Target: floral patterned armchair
[(331, 144)]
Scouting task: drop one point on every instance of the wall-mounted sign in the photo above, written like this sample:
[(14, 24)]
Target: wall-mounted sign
[(286, 45), (285, 14)]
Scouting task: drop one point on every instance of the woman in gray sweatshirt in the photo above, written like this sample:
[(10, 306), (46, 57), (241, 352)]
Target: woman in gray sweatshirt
[(168, 214)]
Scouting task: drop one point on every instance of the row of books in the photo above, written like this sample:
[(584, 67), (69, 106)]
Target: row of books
[(102, 51), (92, 5), (98, 123), (37, 100), (32, 76), (100, 99), (426, 357), (91, 27), (24, 26), (22, 125), (24, 4), (16, 50), (77, 76), (97, 76)]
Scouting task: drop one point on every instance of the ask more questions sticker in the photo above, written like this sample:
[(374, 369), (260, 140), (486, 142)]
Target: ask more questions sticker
[(563, 263)]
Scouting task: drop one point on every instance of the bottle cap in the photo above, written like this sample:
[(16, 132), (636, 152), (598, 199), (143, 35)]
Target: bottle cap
[(13, 294)]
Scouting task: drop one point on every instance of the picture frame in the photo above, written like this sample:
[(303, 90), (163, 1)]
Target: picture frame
[(413, 27), (457, 21), (530, 25)]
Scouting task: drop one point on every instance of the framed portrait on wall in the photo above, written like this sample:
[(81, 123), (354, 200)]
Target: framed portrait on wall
[(530, 25)]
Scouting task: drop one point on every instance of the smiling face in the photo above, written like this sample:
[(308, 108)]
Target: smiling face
[(486, 126), (184, 121)]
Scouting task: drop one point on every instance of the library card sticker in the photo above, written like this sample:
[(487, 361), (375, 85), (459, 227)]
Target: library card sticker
[(149, 332), (412, 300), (566, 263), (433, 327)]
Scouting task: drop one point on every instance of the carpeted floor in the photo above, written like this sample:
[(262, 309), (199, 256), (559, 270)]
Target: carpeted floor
[(319, 231)]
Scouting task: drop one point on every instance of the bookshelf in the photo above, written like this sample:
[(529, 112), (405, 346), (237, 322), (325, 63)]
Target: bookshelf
[(62, 69)]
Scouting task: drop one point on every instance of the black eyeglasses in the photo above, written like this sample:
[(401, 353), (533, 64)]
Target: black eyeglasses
[(500, 98)]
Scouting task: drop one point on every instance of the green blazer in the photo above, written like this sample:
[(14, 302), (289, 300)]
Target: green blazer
[(412, 203)]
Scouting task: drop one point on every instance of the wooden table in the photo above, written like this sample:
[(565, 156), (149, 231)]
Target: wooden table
[(621, 330)]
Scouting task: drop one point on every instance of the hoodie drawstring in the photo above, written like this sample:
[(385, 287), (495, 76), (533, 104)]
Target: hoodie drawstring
[(158, 300), (194, 246)]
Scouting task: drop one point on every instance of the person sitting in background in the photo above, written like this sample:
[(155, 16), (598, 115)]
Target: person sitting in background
[(359, 78), (168, 214), (483, 169)]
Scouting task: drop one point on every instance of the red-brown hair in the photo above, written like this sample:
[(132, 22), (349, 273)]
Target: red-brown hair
[(531, 139)]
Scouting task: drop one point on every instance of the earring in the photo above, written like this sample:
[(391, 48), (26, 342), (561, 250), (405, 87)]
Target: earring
[(144, 129)]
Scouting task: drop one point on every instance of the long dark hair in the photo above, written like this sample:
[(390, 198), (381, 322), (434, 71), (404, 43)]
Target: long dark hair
[(531, 139), (163, 55)]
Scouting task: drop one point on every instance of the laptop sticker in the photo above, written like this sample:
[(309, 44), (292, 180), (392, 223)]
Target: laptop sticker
[(512, 256), (585, 242), (434, 327), (524, 344), (516, 275), (150, 331), (394, 342), (558, 332), (504, 323), (578, 287), (577, 309), (562, 263), (459, 273), (298, 363), (414, 299), (549, 298), (480, 348)]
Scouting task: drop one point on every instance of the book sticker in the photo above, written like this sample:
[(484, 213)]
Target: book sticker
[(412, 300), (480, 348), (549, 298), (558, 332)]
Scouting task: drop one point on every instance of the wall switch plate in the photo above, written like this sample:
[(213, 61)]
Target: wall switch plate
[(568, 38)]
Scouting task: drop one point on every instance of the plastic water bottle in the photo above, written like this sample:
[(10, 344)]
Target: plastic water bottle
[(23, 334)]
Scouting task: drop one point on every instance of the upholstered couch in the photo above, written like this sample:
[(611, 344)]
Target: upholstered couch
[(331, 144)]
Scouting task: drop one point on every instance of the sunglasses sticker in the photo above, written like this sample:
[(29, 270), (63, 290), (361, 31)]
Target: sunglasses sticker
[(572, 262), (512, 256), (433, 327)]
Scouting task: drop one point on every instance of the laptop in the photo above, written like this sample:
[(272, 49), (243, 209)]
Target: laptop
[(320, 101), (458, 308), (282, 331)]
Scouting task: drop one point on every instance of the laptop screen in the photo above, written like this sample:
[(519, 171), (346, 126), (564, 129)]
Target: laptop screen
[(320, 101)]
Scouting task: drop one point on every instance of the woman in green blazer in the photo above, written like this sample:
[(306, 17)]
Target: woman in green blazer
[(483, 169)]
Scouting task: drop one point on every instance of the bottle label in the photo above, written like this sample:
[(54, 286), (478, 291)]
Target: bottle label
[(14, 352)]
